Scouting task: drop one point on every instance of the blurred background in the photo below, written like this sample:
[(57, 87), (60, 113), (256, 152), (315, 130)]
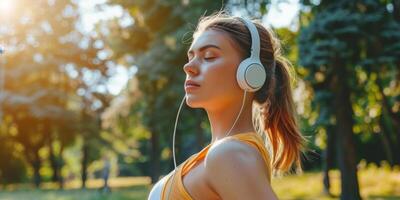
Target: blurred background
[(89, 90)]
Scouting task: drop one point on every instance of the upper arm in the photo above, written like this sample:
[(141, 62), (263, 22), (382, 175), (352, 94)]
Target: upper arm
[(236, 171)]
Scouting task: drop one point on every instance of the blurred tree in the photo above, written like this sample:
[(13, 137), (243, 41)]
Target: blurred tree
[(336, 48), (90, 130), (49, 65)]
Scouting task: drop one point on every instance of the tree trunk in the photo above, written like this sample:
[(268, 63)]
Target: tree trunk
[(84, 163), (386, 143), (395, 120), (60, 164), (328, 156), (155, 157), (56, 163), (53, 160), (344, 135), (36, 164)]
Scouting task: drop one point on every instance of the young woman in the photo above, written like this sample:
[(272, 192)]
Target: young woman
[(236, 164)]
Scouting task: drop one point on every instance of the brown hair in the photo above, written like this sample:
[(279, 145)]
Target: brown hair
[(277, 115)]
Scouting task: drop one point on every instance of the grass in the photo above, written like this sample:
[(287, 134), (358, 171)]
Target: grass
[(375, 184), (132, 188), (134, 193)]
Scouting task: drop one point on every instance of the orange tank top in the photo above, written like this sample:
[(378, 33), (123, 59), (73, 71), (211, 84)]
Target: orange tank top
[(174, 188)]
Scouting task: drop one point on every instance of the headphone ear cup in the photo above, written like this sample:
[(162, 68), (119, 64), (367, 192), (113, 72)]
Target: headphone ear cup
[(250, 75)]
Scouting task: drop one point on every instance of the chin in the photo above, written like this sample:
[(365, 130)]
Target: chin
[(192, 102)]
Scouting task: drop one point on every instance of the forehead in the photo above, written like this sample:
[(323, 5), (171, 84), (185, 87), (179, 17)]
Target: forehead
[(211, 37)]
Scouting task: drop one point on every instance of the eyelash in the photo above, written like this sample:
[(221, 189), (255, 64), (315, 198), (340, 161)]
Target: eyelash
[(205, 58)]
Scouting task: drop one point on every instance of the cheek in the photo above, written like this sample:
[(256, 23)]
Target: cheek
[(222, 74)]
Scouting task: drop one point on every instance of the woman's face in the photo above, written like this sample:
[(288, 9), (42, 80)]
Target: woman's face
[(211, 72)]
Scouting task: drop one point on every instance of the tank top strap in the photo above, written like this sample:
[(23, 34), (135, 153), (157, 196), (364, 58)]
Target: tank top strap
[(173, 188), (175, 183), (192, 161)]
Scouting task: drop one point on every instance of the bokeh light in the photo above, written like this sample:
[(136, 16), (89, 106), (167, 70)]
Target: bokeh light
[(6, 7)]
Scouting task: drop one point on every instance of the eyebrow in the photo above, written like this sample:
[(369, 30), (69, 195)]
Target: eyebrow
[(204, 48)]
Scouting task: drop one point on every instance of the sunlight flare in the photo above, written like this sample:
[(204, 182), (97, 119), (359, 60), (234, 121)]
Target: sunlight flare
[(6, 7)]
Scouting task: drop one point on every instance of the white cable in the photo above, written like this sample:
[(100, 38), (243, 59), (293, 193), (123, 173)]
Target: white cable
[(176, 123), (240, 112)]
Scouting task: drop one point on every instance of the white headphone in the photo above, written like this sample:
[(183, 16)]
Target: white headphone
[(251, 73)]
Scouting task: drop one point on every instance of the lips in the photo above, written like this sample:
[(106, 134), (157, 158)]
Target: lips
[(190, 85)]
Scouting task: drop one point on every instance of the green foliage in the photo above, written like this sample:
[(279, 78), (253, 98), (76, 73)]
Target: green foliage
[(365, 36)]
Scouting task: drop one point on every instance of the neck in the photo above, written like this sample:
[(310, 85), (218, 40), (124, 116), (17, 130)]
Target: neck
[(221, 120)]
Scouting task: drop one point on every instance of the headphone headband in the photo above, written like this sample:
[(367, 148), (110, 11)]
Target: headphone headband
[(255, 38)]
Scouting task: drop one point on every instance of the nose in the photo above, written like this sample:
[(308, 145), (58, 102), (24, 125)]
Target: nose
[(191, 68)]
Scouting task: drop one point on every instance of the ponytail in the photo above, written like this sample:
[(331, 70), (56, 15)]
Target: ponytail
[(278, 118)]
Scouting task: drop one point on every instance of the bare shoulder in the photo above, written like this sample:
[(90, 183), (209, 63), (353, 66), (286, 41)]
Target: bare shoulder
[(233, 154), (230, 150), (235, 170)]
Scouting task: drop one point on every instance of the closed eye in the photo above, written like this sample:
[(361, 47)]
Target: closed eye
[(210, 58)]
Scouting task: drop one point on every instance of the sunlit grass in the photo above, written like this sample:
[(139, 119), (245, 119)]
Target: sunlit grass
[(133, 193), (122, 188), (375, 183), (119, 182)]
